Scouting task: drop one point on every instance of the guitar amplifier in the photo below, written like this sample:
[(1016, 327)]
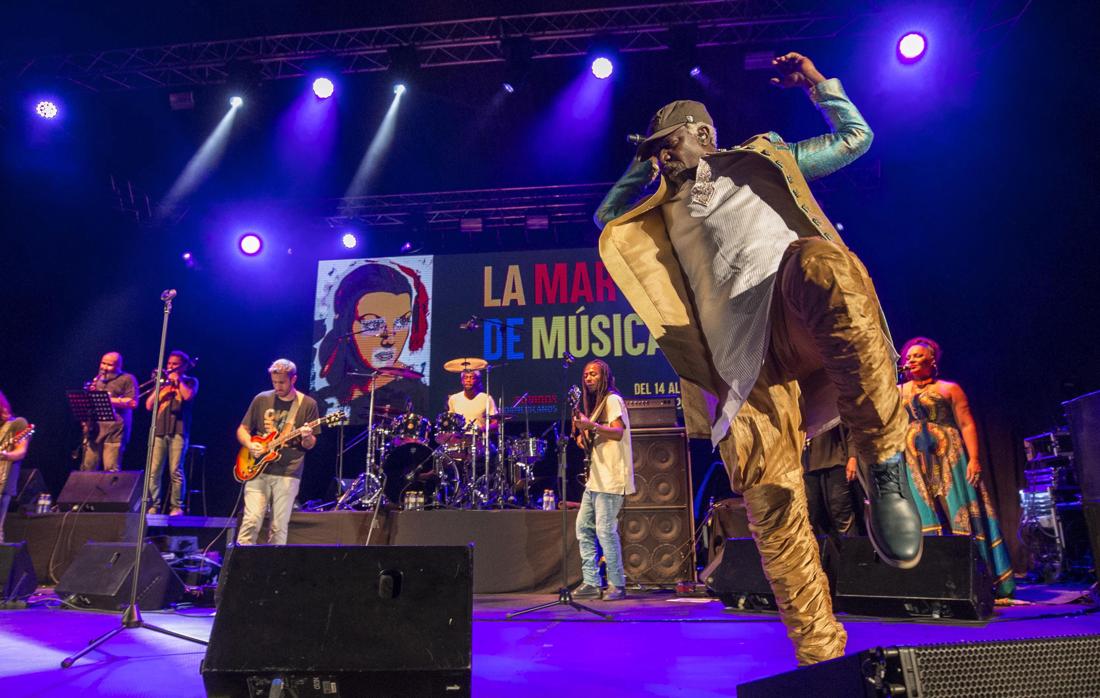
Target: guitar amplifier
[(652, 412)]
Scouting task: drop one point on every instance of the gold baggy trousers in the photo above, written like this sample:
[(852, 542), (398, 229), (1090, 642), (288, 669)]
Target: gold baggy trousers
[(825, 314)]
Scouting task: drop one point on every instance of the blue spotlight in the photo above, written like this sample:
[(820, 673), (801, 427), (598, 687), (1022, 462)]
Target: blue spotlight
[(695, 71), (236, 101), (323, 88), (399, 89), (250, 244), (508, 87), (911, 47), (349, 241), (46, 109), (602, 67)]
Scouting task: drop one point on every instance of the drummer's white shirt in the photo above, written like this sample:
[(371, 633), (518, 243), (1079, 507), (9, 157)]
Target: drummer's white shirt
[(471, 409)]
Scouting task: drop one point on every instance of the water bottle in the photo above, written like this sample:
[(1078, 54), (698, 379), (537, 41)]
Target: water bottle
[(44, 503), (549, 502)]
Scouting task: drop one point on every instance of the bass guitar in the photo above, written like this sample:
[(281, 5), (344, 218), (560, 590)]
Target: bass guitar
[(248, 466), (585, 440)]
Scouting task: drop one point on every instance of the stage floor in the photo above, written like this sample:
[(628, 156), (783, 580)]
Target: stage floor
[(656, 645)]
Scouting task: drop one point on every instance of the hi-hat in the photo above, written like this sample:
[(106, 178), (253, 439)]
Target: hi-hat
[(465, 363), (400, 372)]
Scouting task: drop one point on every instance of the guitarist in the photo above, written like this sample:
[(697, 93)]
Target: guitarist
[(602, 428), (10, 425), (282, 409)]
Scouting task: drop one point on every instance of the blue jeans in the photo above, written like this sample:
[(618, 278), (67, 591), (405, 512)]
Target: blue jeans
[(174, 446), (598, 520)]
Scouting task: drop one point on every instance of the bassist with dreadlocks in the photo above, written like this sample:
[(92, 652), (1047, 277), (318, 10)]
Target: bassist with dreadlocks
[(601, 427)]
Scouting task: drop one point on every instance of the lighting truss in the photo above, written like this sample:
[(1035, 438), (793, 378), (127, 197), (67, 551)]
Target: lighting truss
[(512, 207), (451, 43)]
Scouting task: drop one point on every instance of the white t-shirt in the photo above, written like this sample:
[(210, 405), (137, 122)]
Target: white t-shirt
[(612, 465), (471, 409)]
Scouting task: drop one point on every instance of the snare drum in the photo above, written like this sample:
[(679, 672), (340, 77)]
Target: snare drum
[(411, 428), (525, 450), (449, 427)]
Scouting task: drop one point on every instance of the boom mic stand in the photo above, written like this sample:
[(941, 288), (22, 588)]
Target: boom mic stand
[(565, 594), (131, 617)]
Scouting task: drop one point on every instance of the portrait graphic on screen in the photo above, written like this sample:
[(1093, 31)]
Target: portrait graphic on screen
[(373, 315)]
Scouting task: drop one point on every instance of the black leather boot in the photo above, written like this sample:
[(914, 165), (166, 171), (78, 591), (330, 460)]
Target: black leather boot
[(893, 521)]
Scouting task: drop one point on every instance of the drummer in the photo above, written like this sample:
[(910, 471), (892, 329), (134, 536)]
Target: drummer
[(473, 402)]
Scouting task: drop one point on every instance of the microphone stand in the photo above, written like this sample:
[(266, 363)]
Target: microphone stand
[(131, 617), (565, 594)]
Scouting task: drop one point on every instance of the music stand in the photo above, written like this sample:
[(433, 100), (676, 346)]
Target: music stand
[(131, 617)]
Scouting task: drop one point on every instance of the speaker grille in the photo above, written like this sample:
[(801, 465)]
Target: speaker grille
[(1055, 667), (657, 545), (660, 468)]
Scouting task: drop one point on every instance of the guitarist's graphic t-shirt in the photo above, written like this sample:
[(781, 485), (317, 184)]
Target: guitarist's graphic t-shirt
[(268, 413)]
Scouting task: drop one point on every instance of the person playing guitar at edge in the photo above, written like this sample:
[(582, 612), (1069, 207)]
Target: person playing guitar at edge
[(281, 410), (602, 428), (14, 439)]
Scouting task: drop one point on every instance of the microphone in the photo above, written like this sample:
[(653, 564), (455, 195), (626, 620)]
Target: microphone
[(635, 138), (168, 294), (472, 324)]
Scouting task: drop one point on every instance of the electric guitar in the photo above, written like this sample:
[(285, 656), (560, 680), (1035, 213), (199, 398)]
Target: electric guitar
[(574, 398), (10, 442), (248, 466)]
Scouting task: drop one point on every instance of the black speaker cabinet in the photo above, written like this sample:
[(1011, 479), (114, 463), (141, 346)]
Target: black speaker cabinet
[(1051, 667), (17, 577), (27, 490), (346, 621), (101, 577), (101, 491), (736, 576), (657, 526), (951, 580)]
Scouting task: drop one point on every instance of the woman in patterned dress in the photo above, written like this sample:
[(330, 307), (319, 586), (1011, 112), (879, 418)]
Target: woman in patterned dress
[(941, 450)]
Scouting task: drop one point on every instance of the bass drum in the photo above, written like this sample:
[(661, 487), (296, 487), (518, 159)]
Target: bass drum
[(404, 468)]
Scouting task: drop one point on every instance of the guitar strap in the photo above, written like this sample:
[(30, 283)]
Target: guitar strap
[(289, 421)]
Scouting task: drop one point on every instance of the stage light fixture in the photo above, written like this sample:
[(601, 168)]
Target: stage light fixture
[(602, 67), (508, 87), (911, 47), (695, 71), (349, 241), (236, 101), (46, 109), (323, 88), (250, 244), (406, 248), (399, 89)]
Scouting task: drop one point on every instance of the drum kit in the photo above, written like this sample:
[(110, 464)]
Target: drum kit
[(452, 462)]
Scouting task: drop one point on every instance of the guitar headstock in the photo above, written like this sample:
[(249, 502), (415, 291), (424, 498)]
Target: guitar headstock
[(340, 415), (573, 396)]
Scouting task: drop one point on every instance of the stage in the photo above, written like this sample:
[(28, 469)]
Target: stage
[(655, 645)]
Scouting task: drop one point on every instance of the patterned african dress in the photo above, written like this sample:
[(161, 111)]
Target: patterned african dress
[(948, 504)]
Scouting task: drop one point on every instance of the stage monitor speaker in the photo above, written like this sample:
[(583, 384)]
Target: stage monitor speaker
[(950, 581), (101, 491), (342, 621), (737, 578), (28, 488), (101, 573), (17, 577), (1051, 667)]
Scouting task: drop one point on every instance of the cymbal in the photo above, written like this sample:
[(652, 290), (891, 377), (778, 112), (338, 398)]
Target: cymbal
[(465, 363), (400, 372)]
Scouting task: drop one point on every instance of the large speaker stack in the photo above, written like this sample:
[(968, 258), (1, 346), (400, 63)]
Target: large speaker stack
[(1043, 668), (1084, 425), (658, 523), (342, 621)]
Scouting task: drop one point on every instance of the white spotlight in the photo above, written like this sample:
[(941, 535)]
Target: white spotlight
[(399, 89), (236, 101)]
